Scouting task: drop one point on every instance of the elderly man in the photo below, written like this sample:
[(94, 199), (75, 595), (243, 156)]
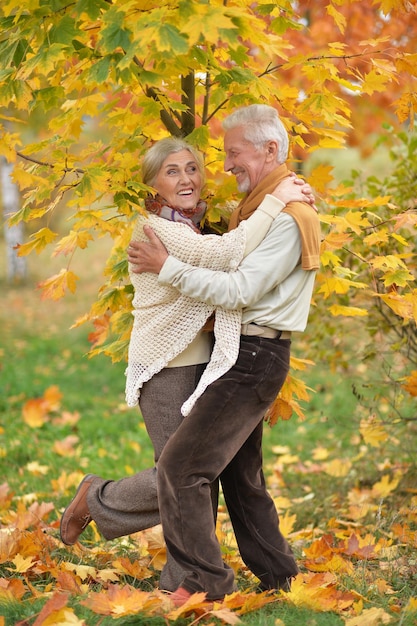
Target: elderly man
[(222, 434)]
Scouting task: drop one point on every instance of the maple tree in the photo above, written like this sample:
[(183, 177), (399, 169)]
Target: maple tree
[(100, 80)]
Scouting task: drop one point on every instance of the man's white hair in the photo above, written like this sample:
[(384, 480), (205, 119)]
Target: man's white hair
[(260, 124)]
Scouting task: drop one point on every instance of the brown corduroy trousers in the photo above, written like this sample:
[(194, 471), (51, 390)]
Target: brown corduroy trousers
[(126, 506), (222, 437)]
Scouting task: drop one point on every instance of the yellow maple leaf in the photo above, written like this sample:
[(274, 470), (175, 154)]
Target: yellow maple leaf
[(338, 467), (287, 523), (401, 305), (56, 286), (320, 177), (318, 592), (329, 258), (369, 617), (347, 311), (71, 242), (412, 605), (338, 285), (37, 242), (37, 469), (135, 569), (373, 431), (406, 108), (22, 564), (375, 81), (64, 617), (356, 221), (338, 17), (385, 486), (381, 236), (390, 261)]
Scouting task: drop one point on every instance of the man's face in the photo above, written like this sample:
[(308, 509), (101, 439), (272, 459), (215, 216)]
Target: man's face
[(249, 165)]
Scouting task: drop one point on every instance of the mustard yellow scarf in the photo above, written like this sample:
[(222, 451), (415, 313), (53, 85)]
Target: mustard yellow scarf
[(305, 217)]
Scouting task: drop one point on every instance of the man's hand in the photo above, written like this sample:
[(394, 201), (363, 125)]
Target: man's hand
[(147, 256)]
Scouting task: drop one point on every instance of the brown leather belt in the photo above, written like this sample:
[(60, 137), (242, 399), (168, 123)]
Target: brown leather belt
[(253, 330)]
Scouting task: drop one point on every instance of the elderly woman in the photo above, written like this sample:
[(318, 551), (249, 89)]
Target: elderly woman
[(172, 358)]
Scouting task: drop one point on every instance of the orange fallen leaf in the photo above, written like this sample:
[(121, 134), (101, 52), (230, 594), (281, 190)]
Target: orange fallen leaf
[(52, 397), (12, 588), (120, 600), (35, 412), (66, 447), (58, 601)]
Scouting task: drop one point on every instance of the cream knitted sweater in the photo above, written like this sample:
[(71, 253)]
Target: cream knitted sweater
[(165, 321)]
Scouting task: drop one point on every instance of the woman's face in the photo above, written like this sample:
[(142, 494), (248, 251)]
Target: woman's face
[(179, 180)]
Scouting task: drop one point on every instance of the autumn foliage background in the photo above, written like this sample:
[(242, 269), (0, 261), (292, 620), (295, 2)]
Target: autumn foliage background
[(84, 88)]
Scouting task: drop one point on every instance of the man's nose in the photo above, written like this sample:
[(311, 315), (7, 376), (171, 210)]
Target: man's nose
[(228, 164)]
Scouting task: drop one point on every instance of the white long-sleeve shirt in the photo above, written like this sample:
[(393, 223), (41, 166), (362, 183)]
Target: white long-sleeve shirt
[(269, 284)]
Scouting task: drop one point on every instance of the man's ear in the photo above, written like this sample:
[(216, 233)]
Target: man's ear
[(271, 150)]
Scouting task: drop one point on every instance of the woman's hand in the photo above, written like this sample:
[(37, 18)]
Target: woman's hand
[(147, 256), (294, 189)]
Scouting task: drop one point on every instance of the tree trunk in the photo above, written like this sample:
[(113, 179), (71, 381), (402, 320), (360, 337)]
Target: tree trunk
[(15, 265)]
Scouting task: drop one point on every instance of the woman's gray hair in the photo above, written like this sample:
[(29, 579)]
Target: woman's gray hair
[(156, 155), (260, 124)]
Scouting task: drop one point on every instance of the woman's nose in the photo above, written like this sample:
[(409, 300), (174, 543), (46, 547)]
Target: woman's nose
[(185, 177)]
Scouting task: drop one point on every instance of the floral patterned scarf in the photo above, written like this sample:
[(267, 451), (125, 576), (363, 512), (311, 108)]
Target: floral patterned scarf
[(192, 217)]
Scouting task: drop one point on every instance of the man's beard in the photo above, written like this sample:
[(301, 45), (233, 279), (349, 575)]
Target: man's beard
[(244, 185)]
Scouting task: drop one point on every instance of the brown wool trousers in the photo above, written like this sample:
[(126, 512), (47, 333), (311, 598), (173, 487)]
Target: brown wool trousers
[(222, 437), (126, 506)]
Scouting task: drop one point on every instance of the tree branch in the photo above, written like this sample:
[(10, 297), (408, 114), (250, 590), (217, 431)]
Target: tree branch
[(77, 170), (188, 98), (167, 118)]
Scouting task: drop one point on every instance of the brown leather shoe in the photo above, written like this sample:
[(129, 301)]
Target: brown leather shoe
[(76, 516)]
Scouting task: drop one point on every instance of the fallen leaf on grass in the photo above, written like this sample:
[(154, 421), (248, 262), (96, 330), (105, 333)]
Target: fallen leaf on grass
[(196, 602), (135, 569), (370, 617), (64, 617), (12, 589), (21, 564), (412, 605), (319, 593), (6, 496), (57, 602), (373, 431), (339, 468), (385, 486), (35, 412), (119, 601), (66, 447), (226, 616)]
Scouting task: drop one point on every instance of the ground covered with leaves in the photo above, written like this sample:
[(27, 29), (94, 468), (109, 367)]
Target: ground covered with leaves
[(344, 486)]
